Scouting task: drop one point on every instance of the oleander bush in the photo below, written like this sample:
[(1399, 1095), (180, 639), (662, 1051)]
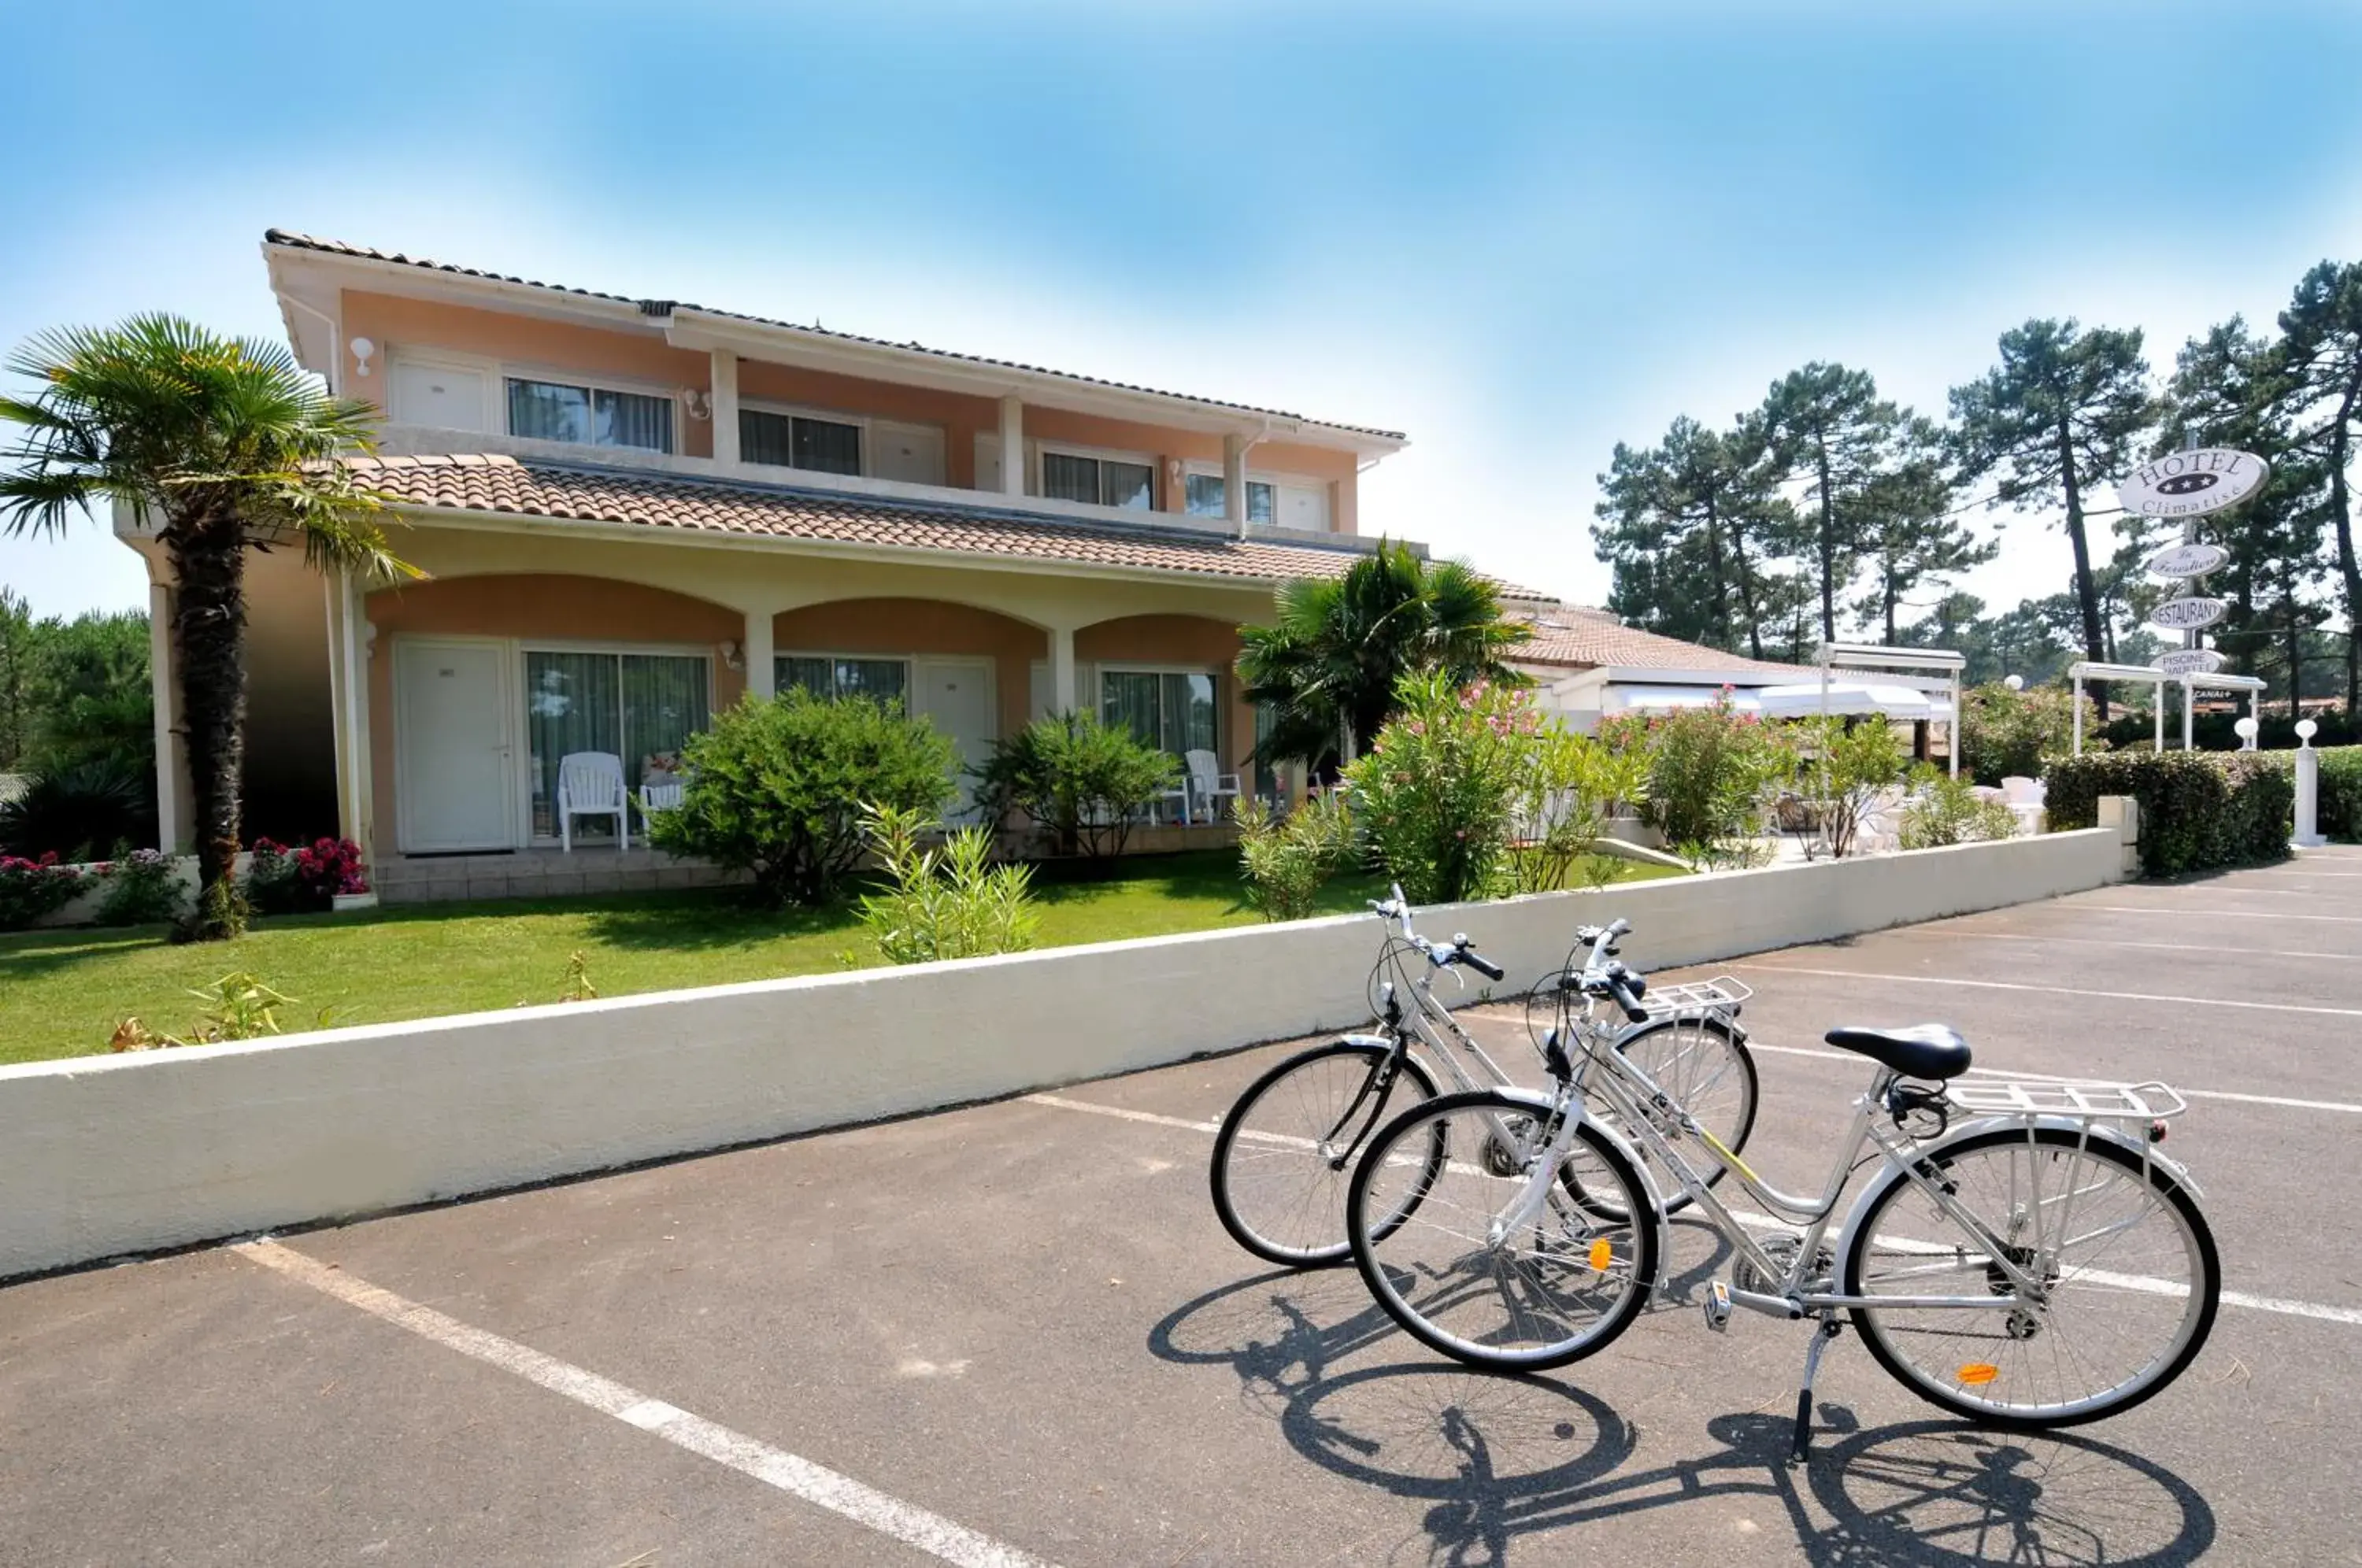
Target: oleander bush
[(1437, 793), (1707, 769), (946, 900), (2199, 809)]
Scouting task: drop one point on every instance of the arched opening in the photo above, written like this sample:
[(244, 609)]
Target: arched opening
[(1172, 679), (481, 685)]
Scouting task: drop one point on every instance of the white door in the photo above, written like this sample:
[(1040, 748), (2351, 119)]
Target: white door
[(957, 695), (451, 744), (988, 462), (438, 395), (911, 453), (1303, 507)]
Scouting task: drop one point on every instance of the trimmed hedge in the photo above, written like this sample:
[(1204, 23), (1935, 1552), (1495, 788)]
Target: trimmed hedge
[(2199, 809), (2339, 811)]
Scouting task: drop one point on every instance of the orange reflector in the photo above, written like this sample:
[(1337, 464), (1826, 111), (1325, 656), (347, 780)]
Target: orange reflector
[(1602, 1254), (1978, 1373)]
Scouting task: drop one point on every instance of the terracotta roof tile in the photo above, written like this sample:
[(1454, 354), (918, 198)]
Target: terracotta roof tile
[(1578, 635), (499, 483), (658, 309)]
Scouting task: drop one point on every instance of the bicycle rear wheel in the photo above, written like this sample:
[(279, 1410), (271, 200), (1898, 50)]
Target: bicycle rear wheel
[(2127, 1260), (1564, 1285), (1285, 1151), (1705, 1068)]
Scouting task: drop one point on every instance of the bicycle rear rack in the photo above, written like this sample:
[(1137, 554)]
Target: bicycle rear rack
[(1695, 999), (2089, 1100)]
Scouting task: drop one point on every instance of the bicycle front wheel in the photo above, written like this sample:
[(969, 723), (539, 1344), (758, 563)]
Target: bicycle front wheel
[(1561, 1286), (2126, 1263), (1285, 1151)]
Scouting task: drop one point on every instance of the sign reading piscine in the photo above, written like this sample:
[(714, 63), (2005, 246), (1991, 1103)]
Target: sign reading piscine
[(2191, 661), (2191, 484), (2188, 561)]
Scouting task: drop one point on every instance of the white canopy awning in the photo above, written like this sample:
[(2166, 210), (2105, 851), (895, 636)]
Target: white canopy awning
[(1803, 700), (1667, 698)]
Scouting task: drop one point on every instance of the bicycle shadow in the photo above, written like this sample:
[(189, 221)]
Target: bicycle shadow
[(1501, 1459)]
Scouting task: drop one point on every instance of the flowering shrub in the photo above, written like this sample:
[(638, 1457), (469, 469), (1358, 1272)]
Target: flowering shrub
[(142, 888), (1707, 769), (1437, 792), (1574, 786), (32, 888), (284, 880)]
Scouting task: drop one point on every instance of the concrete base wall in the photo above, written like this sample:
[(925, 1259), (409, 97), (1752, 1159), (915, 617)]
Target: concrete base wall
[(116, 1154)]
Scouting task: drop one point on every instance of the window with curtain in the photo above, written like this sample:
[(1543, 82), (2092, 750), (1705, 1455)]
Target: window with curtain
[(640, 708), (884, 679), (1172, 711), (601, 416), (797, 441), (1208, 493), (1100, 481)]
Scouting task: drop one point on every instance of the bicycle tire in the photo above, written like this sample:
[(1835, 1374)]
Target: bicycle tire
[(1740, 1125), (1620, 1252), (1892, 1339), (1297, 1249)]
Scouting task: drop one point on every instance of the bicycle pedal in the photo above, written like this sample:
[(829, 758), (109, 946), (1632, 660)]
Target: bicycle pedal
[(1717, 1306)]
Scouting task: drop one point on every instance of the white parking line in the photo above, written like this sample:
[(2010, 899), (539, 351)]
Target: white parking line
[(2279, 1304), (2053, 990), (2214, 947), (814, 1484), (2210, 914)]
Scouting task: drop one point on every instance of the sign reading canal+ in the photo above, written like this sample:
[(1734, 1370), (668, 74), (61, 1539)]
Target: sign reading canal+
[(2190, 484)]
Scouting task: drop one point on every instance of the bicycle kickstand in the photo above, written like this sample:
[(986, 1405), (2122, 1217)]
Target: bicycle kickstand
[(1823, 1332)]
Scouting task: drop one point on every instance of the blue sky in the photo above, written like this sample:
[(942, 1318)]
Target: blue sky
[(1519, 234)]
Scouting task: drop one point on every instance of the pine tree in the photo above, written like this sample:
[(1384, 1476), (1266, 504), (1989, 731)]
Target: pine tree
[(2319, 362)]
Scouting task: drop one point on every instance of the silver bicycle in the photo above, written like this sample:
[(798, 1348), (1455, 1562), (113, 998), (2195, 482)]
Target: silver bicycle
[(1284, 1153), (2022, 1255)]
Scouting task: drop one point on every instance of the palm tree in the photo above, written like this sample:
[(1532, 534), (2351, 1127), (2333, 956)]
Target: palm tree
[(1325, 670), (221, 446)]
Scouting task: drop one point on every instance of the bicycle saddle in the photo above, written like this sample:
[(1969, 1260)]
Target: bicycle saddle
[(1914, 1050)]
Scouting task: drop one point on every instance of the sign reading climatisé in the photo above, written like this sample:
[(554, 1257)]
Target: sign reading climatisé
[(2187, 615), (2190, 484), (2188, 561), (2191, 661)]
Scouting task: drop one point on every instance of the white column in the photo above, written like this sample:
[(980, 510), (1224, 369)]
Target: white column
[(172, 831), (2308, 796), (725, 406), (1063, 695), (761, 673), (359, 647), (1234, 479), (1012, 446)]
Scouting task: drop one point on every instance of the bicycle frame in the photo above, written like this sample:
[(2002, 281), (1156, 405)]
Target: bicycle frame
[(1641, 1106)]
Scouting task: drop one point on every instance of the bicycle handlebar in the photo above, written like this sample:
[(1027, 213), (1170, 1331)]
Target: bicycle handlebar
[(1394, 909)]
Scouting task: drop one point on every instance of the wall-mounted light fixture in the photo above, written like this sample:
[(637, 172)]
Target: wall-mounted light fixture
[(362, 349), (698, 404), (733, 656)]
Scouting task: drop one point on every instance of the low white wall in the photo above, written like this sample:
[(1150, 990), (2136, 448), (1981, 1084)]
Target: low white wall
[(106, 1155)]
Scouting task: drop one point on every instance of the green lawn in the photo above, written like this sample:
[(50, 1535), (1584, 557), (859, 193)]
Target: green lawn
[(62, 992)]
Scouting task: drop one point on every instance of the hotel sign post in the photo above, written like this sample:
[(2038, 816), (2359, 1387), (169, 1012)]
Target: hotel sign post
[(2187, 486)]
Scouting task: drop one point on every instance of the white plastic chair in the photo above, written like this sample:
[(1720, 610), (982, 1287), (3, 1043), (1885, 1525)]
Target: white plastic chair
[(591, 784), (1207, 783), (2028, 799), (662, 795)]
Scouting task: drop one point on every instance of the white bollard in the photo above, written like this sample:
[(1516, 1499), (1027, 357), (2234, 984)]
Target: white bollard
[(2308, 789)]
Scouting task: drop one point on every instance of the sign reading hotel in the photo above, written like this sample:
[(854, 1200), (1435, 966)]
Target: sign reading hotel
[(2191, 484)]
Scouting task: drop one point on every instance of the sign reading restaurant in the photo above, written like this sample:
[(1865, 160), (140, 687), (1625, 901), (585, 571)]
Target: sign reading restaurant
[(2190, 484)]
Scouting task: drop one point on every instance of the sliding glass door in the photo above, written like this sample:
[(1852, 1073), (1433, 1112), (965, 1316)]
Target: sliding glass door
[(638, 708), (1174, 711)]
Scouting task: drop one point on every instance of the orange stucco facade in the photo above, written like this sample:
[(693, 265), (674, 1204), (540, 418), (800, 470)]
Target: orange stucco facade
[(525, 344), (577, 609)]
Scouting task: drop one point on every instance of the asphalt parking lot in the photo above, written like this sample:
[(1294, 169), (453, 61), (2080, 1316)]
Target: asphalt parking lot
[(1015, 1334)]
